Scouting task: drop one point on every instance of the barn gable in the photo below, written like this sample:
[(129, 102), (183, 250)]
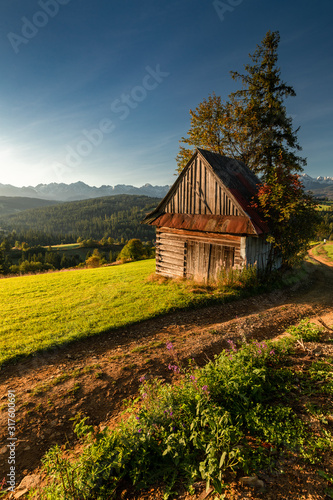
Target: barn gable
[(211, 185)]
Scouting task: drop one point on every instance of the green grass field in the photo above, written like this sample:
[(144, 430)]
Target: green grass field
[(41, 311), (328, 247)]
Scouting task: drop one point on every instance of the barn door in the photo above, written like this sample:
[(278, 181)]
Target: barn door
[(205, 261)]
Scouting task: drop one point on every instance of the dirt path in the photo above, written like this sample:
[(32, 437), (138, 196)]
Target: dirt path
[(320, 258), (96, 375)]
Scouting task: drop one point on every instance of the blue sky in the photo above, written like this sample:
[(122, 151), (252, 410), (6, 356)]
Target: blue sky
[(100, 90)]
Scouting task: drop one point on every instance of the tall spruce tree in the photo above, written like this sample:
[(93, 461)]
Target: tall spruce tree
[(253, 126), (272, 141)]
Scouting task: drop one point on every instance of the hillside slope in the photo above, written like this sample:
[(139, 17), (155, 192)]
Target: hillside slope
[(115, 216), (14, 204)]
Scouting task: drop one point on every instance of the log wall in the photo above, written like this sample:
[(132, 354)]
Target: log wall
[(202, 257)]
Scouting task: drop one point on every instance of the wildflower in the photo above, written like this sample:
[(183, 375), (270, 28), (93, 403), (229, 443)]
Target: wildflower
[(142, 379), (144, 395), (205, 388), (232, 345), (192, 377), (174, 368), (169, 346), (138, 418), (140, 430), (272, 352)]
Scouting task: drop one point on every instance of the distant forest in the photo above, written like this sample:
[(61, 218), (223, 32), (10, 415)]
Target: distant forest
[(117, 217)]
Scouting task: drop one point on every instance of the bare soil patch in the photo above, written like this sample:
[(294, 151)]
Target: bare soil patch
[(96, 376)]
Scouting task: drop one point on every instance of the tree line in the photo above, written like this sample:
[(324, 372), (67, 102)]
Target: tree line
[(23, 259)]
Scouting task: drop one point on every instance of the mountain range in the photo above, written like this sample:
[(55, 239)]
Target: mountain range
[(79, 191), (320, 187)]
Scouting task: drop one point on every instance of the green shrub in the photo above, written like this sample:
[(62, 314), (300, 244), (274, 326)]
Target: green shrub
[(306, 331), (133, 250)]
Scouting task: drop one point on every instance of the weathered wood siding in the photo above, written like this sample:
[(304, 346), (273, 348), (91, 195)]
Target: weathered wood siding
[(199, 193), (170, 254), (181, 253), (255, 251)]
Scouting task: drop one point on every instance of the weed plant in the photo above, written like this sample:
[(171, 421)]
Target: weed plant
[(233, 414)]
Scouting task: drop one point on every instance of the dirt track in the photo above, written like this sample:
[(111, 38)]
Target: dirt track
[(104, 370)]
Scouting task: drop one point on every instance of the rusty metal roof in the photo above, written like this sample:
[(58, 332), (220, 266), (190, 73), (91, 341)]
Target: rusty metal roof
[(208, 223)]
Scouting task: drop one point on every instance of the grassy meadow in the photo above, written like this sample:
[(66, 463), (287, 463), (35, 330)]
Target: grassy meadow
[(46, 310), (328, 247)]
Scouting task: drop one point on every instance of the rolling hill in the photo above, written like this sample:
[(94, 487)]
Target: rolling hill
[(14, 204), (112, 216)]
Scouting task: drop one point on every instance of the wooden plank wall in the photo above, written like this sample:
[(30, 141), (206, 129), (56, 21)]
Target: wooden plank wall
[(257, 252), (199, 193), (206, 261), (181, 253)]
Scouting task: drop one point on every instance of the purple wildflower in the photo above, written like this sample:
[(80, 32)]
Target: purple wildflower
[(232, 345), (169, 346), (140, 430), (205, 388), (272, 352), (138, 418), (142, 379)]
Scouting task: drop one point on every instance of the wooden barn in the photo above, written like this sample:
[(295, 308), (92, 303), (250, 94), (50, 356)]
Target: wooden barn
[(205, 223)]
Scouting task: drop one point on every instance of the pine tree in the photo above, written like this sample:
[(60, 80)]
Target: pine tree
[(252, 126), (271, 138)]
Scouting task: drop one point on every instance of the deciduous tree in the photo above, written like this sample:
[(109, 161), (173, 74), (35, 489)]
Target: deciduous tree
[(290, 213)]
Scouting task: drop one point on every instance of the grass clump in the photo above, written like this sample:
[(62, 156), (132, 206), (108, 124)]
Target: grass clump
[(306, 331), (233, 414)]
